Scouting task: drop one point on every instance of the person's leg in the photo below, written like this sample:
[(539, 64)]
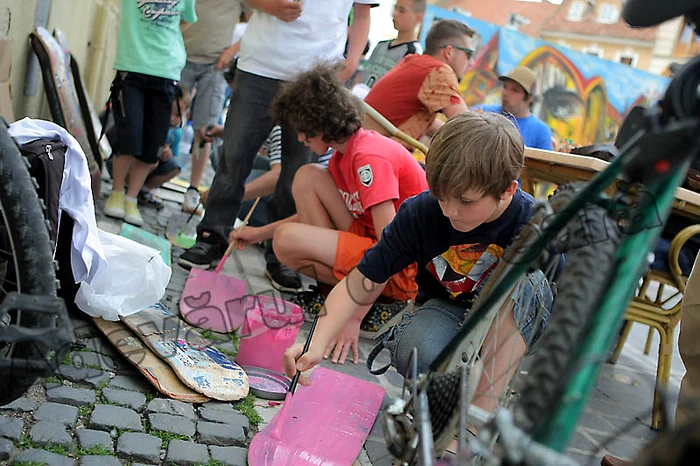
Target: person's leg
[(309, 249), (318, 201), (689, 395), (247, 126), (259, 215)]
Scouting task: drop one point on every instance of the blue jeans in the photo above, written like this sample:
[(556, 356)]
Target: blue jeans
[(431, 327), (259, 217), (248, 123)]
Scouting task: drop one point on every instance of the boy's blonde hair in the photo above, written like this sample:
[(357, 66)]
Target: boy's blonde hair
[(480, 152), (419, 6)]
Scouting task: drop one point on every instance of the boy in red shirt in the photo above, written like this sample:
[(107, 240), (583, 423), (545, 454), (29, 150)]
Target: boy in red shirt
[(342, 211)]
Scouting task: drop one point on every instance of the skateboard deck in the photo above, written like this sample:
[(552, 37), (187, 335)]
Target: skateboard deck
[(325, 423), (180, 232), (156, 371), (63, 97), (147, 238), (192, 357), (214, 301)]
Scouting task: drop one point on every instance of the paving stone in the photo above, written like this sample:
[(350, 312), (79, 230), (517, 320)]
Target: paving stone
[(6, 448), (185, 453), (99, 345), (11, 427), (219, 406), (230, 456), (139, 447), (212, 433), (99, 460), (24, 405), (70, 395), (136, 384), (88, 438), (107, 417), (36, 456), (176, 408), (92, 377), (224, 417), (48, 432), (56, 412), (83, 328), (82, 359), (126, 398), (174, 424)]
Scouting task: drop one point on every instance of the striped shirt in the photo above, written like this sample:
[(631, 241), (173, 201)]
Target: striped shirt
[(273, 148)]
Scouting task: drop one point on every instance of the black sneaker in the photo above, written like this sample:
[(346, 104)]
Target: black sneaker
[(149, 199), (283, 278), (310, 301), (379, 318), (202, 255)]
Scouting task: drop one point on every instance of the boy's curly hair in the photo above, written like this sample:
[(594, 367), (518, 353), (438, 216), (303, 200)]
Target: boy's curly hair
[(316, 103)]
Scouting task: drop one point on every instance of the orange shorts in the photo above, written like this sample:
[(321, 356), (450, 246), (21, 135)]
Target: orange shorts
[(353, 244)]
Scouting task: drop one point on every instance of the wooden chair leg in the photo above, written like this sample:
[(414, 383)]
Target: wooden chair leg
[(621, 341), (663, 374), (650, 338)]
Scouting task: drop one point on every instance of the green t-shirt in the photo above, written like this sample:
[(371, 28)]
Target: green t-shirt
[(150, 41)]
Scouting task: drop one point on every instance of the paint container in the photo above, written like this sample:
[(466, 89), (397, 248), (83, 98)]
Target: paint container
[(271, 326)]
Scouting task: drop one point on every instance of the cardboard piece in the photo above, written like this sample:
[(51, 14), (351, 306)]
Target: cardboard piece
[(156, 371), (6, 110)]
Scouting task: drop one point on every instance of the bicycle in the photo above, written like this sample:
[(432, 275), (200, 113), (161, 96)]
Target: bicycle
[(606, 241), (34, 324)]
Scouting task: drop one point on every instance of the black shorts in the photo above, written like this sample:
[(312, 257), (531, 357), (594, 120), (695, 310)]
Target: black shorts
[(142, 106)]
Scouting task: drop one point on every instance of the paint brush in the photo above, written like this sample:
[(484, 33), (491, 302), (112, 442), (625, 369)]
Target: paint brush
[(275, 433), (231, 244)]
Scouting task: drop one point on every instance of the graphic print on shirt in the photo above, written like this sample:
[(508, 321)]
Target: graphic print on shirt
[(159, 11), (366, 175), (352, 202), (464, 268)]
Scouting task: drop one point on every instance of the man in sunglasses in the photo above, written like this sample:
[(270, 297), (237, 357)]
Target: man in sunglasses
[(517, 96), (420, 86)]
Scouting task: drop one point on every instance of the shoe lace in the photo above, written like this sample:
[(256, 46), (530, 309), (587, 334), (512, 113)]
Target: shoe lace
[(200, 247)]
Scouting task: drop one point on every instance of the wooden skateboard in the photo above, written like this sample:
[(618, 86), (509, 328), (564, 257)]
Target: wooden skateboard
[(325, 423), (156, 371), (180, 232), (192, 357), (147, 238), (63, 97)]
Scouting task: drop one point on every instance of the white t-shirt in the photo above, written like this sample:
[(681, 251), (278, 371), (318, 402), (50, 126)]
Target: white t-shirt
[(275, 49)]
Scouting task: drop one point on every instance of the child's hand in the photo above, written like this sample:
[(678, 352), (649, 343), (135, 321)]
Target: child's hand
[(166, 153), (245, 236), (203, 198), (210, 132), (293, 361), (346, 340), (287, 11)]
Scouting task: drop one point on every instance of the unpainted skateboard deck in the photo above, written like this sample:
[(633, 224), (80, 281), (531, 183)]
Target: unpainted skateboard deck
[(180, 232), (147, 238), (325, 423), (214, 301), (197, 363), (156, 371)]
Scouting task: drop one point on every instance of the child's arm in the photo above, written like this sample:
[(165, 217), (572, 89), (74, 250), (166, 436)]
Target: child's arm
[(357, 39), (352, 295), (264, 184), (252, 235)]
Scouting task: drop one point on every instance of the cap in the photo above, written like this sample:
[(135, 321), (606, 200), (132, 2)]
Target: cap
[(523, 76)]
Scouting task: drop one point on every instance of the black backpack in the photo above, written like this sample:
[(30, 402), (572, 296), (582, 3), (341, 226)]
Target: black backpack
[(47, 159)]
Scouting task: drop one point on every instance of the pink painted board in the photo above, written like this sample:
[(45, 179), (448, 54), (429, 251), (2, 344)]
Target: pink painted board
[(323, 424), (213, 301)]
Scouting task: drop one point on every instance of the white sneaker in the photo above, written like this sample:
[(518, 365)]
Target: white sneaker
[(191, 202)]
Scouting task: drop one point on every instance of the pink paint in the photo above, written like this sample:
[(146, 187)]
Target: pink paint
[(273, 403), (327, 423), (271, 326)]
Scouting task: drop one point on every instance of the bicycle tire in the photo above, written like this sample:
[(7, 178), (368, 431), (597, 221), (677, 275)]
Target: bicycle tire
[(27, 230), (580, 288)]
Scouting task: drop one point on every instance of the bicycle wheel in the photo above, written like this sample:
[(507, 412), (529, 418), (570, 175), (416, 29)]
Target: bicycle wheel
[(26, 266)]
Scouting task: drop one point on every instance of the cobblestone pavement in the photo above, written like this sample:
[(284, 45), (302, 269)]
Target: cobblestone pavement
[(98, 410)]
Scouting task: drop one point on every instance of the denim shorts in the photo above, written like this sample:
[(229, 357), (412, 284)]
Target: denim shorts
[(430, 327)]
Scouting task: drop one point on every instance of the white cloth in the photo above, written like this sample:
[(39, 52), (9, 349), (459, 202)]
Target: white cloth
[(274, 49), (87, 254)]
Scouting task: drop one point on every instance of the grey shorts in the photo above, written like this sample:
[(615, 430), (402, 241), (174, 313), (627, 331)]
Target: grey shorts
[(208, 103), (431, 326)]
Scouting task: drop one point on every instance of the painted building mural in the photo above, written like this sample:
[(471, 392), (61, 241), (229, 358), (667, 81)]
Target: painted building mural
[(583, 98)]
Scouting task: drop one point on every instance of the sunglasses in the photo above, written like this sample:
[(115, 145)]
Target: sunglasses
[(467, 51)]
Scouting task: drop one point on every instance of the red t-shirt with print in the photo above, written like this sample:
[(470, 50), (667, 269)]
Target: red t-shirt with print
[(413, 91), (374, 169)]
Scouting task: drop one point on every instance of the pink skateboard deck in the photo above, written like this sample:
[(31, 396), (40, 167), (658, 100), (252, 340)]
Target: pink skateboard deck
[(213, 301), (326, 423)]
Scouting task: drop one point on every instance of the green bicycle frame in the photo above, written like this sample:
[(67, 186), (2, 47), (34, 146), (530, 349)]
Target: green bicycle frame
[(644, 229)]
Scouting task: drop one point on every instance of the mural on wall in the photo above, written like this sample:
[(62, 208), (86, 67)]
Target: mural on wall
[(583, 98)]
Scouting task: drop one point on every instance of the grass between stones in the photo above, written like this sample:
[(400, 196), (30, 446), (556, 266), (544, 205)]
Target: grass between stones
[(86, 410), (166, 437), (246, 406), (99, 450)]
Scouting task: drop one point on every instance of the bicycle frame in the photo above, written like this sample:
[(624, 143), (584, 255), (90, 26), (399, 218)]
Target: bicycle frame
[(641, 234)]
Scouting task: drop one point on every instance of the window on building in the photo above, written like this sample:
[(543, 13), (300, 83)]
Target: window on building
[(593, 50), (608, 13), (576, 11), (627, 57)]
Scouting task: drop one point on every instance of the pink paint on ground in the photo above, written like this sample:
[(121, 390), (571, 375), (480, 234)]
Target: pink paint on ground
[(326, 424)]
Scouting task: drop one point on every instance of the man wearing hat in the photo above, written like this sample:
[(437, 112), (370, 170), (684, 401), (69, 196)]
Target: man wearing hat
[(516, 98)]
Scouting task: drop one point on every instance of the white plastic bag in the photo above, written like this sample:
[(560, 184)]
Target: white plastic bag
[(135, 277)]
